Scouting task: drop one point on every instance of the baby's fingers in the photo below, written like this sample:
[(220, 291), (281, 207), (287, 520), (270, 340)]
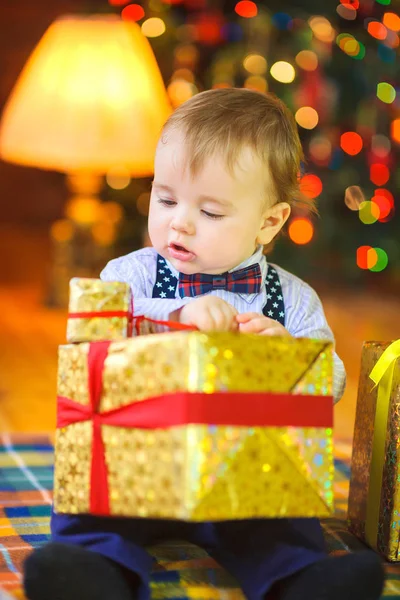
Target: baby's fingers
[(253, 326), (244, 317)]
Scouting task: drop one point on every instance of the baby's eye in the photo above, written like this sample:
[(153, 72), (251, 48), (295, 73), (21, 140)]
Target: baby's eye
[(212, 215), (166, 202)]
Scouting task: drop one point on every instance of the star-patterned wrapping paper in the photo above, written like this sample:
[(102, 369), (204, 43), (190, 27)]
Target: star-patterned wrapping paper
[(199, 472), (104, 309), (383, 502)]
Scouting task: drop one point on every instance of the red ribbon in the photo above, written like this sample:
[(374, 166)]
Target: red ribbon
[(91, 314), (182, 408)]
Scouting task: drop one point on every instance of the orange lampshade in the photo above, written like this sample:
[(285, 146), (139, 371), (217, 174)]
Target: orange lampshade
[(90, 98)]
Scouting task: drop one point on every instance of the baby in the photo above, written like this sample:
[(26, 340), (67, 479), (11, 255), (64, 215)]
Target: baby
[(226, 177)]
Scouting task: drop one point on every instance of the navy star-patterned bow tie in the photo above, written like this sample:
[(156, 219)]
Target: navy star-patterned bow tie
[(242, 281)]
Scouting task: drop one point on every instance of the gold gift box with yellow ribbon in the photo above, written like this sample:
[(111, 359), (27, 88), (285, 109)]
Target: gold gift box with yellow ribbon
[(167, 424), (98, 310), (374, 498)]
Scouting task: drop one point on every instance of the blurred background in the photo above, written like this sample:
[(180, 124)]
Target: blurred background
[(82, 101)]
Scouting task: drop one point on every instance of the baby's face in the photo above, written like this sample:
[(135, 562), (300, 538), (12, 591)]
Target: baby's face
[(209, 223)]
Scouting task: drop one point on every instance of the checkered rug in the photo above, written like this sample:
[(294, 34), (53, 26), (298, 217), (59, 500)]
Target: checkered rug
[(26, 479)]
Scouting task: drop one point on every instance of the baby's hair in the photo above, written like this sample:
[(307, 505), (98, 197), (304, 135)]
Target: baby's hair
[(225, 121)]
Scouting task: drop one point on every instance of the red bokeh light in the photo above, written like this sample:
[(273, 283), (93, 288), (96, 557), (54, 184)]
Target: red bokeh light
[(351, 142), (384, 206), (377, 30), (367, 257), (209, 28), (311, 186), (132, 12), (350, 3), (246, 9), (386, 194), (379, 173)]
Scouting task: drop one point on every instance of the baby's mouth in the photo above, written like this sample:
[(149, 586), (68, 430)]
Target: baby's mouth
[(179, 252), (178, 247)]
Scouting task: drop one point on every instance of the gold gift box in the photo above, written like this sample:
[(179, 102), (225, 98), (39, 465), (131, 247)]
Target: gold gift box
[(199, 472), (98, 310), (374, 497)]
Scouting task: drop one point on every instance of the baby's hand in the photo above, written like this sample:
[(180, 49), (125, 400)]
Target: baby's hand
[(209, 313), (256, 323)]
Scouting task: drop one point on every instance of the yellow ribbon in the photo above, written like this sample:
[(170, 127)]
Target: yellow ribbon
[(382, 376)]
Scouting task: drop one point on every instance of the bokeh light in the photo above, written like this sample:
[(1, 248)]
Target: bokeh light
[(322, 29), (301, 231), (367, 257), (395, 130), (153, 27), (353, 197), (83, 210), (385, 200), (351, 142), (283, 71), (382, 261), (118, 2), (143, 203), (132, 12), (180, 90), (380, 145), (62, 230), (346, 11), (104, 234), (186, 55), (183, 73), (392, 39), (311, 185), (350, 45), (352, 3), (368, 212), (255, 64), (386, 193), (379, 173), (307, 117), (391, 21), (384, 206), (118, 178), (307, 60), (111, 212), (386, 92), (377, 30), (282, 20), (246, 9), (320, 149), (208, 28), (256, 82)]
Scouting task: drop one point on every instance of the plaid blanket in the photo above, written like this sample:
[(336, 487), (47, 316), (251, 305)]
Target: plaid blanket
[(186, 572)]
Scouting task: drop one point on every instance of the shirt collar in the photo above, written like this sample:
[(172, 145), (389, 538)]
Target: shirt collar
[(257, 257)]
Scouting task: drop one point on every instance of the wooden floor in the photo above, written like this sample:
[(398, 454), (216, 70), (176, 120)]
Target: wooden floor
[(30, 334)]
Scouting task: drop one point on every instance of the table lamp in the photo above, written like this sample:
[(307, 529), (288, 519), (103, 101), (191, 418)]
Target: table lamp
[(89, 101)]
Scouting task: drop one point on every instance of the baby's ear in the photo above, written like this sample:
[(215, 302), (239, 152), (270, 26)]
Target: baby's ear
[(273, 220)]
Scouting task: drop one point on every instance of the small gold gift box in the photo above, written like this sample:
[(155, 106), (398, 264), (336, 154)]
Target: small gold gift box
[(195, 426), (98, 310)]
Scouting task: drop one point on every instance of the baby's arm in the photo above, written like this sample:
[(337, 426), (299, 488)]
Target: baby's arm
[(138, 273), (307, 319)]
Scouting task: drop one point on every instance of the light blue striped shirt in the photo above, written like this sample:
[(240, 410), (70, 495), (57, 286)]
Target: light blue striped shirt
[(304, 314)]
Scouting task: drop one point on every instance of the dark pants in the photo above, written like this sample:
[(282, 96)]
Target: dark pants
[(256, 552)]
